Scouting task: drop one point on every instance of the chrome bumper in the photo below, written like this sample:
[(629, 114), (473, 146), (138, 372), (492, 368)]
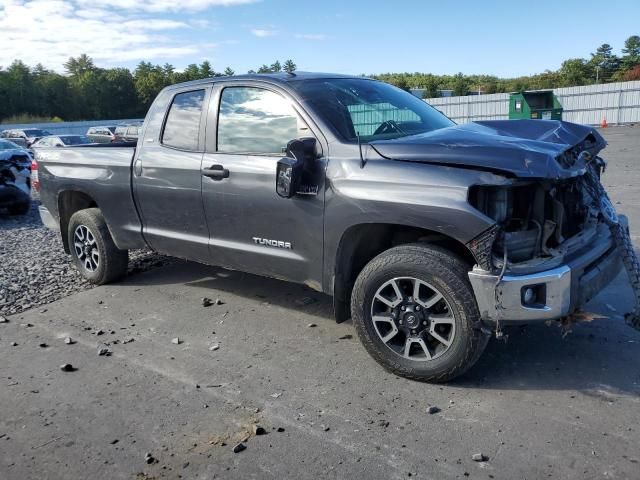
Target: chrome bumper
[(558, 292), (47, 219)]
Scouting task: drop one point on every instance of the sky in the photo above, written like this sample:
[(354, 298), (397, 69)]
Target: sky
[(502, 38)]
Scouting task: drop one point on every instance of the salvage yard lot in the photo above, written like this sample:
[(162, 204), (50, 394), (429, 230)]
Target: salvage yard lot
[(538, 405)]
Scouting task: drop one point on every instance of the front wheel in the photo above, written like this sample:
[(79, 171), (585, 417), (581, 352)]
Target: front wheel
[(414, 310), (92, 248)]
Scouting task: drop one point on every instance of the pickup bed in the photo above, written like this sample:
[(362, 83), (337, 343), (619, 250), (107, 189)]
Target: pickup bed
[(430, 235)]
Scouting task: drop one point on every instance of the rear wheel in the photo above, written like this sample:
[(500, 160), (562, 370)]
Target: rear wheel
[(415, 313), (92, 248)]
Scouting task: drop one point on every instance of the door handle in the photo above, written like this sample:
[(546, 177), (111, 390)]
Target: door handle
[(216, 172)]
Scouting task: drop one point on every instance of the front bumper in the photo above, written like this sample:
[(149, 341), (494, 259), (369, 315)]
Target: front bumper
[(558, 292)]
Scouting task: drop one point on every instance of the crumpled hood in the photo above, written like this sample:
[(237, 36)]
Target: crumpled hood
[(524, 148)]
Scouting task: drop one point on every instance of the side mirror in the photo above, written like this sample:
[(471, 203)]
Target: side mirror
[(290, 169)]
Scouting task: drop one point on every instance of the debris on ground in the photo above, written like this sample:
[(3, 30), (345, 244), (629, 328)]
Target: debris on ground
[(258, 430), (3, 319), (239, 447), (13, 344), (219, 302), (325, 428), (67, 367), (433, 409), (103, 351), (280, 430), (479, 457), (43, 345), (69, 341), (276, 395), (176, 341), (312, 325), (214, 347), (149, 458), (206, 302), (346, 337)]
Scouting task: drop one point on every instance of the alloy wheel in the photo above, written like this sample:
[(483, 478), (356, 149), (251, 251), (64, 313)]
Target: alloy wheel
[(413, 319), (86, 248)]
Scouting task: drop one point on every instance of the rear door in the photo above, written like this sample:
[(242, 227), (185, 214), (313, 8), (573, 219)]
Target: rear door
[(167, 177), (251, 228)]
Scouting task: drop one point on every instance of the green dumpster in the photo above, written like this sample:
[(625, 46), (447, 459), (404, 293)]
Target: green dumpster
[(542, 105)]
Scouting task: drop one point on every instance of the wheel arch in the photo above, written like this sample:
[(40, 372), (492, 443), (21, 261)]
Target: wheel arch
[(360, 243), (70, 202)]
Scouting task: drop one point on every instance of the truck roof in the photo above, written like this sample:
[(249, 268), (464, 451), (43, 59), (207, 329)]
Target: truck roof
[(281, 78)]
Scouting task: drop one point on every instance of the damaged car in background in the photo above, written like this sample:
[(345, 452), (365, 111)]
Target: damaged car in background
[(431, 236), (15, 178)]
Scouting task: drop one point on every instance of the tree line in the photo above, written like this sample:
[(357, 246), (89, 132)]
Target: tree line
[(87, 92), (603, 66)]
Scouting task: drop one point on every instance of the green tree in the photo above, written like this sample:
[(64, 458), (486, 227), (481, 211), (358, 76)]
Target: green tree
[(631, 52), (575, 71), (460, 85), (206, 71), (80, 65), (604, 62), (264, 69), (430, 85), (229, 72), (289, 66), (276, 67)]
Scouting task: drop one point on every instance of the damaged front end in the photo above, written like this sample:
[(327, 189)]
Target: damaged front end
[(551, 248), (15, 178)]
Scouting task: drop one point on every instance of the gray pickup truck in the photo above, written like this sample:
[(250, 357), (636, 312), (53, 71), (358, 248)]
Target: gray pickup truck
[(429, 235)]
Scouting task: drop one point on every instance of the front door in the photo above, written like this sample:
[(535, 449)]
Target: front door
[(251, 228)]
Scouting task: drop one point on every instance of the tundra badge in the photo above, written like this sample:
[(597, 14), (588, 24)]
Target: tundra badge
[(272, 243)]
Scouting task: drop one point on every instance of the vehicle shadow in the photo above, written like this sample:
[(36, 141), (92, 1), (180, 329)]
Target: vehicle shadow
[(600, 357)]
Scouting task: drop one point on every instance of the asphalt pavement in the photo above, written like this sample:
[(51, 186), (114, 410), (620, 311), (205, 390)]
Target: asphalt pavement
[(180, 385)]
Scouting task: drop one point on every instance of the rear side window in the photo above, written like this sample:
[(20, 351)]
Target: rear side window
[(182, 127), (255, 120)]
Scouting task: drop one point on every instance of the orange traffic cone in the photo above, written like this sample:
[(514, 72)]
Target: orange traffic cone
[(603, 123)]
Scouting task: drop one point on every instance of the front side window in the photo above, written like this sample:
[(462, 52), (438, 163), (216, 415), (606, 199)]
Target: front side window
[(255, 120), (182, 127)]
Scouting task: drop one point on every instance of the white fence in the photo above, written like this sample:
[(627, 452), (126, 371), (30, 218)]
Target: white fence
[(618, 102)]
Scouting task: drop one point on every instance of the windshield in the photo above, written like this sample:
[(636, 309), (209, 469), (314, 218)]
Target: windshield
[(369, 109), (34, 132), (7, 145), (75, 140)]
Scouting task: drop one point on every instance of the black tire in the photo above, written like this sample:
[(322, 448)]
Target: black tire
[(112, 262), (20, 208), (448, 275)]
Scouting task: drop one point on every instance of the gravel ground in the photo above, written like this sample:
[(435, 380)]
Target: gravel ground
[(34, 270)]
